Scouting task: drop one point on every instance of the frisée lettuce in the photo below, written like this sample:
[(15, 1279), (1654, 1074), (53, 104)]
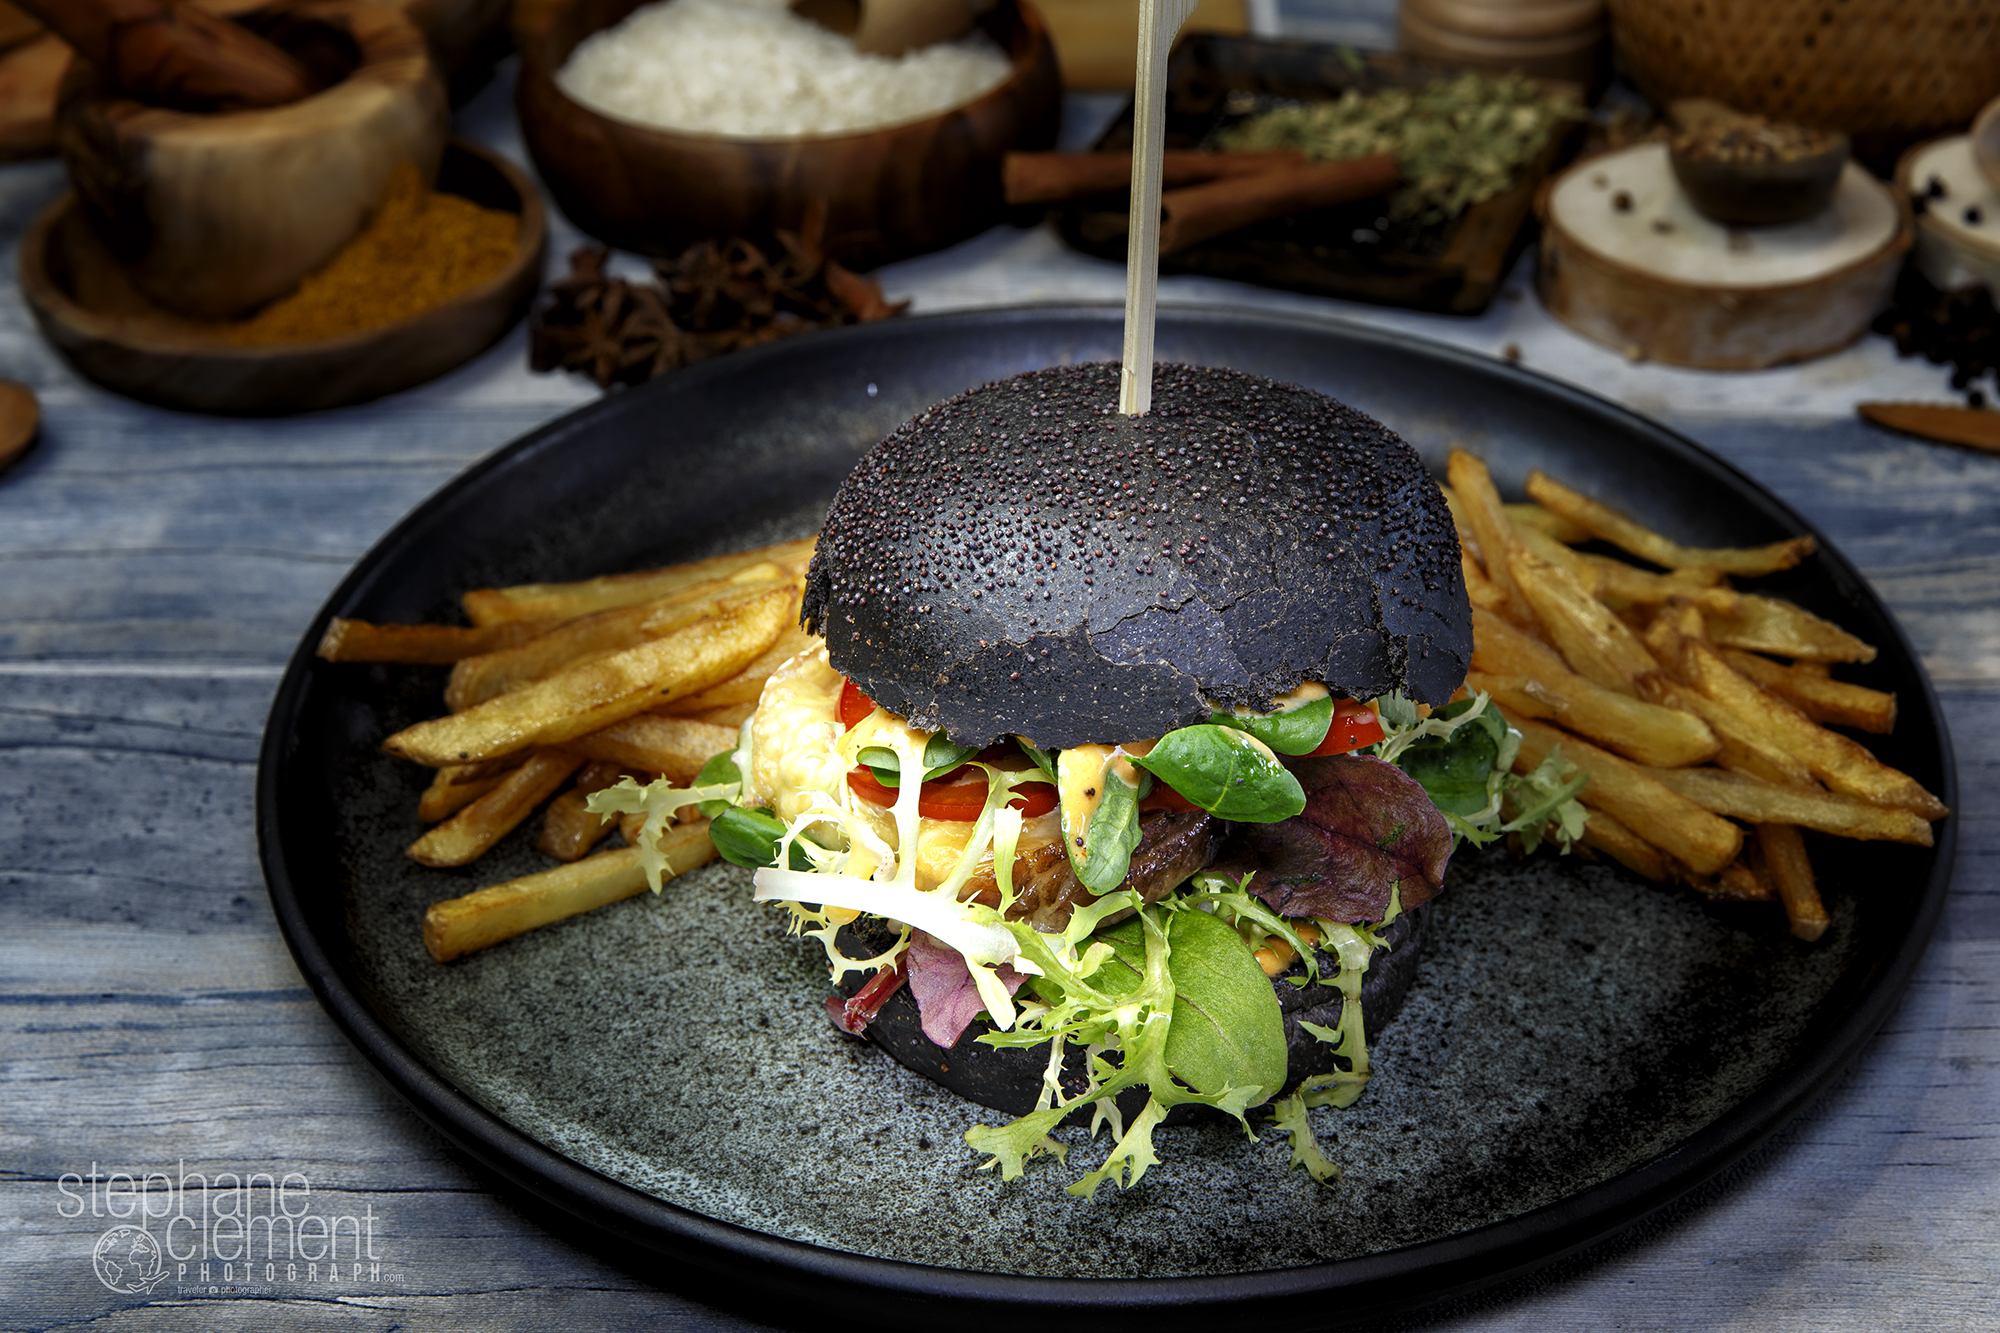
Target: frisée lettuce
[(1169, 998)]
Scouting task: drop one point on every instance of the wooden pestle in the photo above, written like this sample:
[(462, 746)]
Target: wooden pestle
[(1051, 178), (891, 27), (1193, 215), (169, 53)]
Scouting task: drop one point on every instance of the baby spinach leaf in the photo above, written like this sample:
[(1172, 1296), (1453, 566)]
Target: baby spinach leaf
[(1454, 768), (941, 755), (1297, 731), (1227, 1030), (1227, 772), (1109, 836), (722, 768), (1043, 759), (750, 838)]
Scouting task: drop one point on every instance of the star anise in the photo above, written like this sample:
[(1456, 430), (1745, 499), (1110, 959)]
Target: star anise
[(714, 297)]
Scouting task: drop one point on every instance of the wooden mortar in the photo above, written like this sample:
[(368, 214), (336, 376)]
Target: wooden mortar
[(214, 215)]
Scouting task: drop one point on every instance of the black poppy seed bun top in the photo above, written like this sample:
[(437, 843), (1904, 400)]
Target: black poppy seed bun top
[(1024, 559)]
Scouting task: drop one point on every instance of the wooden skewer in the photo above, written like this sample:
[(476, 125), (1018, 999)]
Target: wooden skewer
[(1159, 20)]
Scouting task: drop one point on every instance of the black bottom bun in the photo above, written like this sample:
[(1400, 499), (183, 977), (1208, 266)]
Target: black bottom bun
[(1009, 1080)]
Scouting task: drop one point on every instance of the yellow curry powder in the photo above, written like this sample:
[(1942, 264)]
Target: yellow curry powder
[(421, 249)]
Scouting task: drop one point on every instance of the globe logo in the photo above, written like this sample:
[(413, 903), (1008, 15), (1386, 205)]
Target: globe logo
[(128, 1259)]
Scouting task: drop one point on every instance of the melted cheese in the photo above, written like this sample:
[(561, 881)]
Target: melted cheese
[(795, 737)]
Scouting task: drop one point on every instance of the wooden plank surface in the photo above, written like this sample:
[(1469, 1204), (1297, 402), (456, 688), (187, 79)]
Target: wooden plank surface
[(156, 570)]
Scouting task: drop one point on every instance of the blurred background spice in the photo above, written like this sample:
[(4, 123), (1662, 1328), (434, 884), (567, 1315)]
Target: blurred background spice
[(714, 297), (1456, 141), (421, 249)]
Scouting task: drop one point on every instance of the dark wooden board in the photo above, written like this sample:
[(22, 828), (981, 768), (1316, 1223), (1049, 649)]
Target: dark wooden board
[(1455, 269)]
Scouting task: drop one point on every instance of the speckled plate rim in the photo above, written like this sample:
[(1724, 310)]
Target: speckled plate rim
[(769, 1276)]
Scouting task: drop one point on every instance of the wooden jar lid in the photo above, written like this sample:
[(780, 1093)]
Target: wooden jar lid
[(1628, 262), (1511, 20)]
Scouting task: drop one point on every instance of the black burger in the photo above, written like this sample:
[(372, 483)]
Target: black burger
[(1132, 743)]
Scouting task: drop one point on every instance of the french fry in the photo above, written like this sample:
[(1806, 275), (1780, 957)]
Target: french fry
[(1482, 592), (1756, 802), (747, 685), (569, 829), (1620, 584), (1840, 763), (589, 696), (1643, 732), (1468, 544), (727, 715), (1767, 625), (1595, 643), (1479, 505), (458, 785), (419, 645), (487, 916), (566, 601), (466, 835), (1792, 875), (1549, 523), (1734, 883), (490, 675), (1604, 522), (1631, 794), (1742, 745), (1501, 648), (673, 747), (1622, 845), (1817, 695)]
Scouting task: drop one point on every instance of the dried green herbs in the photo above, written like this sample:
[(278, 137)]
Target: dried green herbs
[(1457, 142)]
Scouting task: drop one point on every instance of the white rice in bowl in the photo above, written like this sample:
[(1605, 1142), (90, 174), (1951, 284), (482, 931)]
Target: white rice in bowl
[(752, 69)]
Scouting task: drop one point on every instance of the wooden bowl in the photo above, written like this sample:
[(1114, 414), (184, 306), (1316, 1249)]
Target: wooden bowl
[(215, 215), (889, 193), (1958, 229), (1760, 194), (87, 306)]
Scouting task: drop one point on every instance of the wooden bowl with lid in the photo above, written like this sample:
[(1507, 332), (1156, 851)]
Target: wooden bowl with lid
[(214, 214), (890, 193)]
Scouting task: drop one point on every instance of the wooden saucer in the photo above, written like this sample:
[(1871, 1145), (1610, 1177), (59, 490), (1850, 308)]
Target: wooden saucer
[(20, 421), (88, 308)]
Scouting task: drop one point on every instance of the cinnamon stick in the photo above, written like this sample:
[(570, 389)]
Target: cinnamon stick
[(1190, 216), (169, 53), (1051, 178)]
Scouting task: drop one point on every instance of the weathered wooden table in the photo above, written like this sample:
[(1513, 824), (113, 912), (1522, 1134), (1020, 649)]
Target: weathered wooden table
[(156, 570)]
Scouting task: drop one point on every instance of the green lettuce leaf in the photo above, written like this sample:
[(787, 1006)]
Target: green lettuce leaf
[(1295, 731), (1227, 772)]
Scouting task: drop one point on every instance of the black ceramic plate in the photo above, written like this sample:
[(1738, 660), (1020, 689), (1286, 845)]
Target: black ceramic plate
[(1579, 1047)]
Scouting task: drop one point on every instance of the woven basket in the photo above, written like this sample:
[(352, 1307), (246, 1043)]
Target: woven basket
[(1883, 69)]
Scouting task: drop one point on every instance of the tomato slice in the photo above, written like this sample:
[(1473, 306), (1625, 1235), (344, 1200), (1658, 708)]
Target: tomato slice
[(958, 795), (957, 801), (1163, 797), (1354, 725), (854, 705)]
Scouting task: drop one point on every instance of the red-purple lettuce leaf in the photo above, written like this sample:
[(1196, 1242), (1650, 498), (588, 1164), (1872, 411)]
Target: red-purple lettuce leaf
[(942, 986), (1367, 828)]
